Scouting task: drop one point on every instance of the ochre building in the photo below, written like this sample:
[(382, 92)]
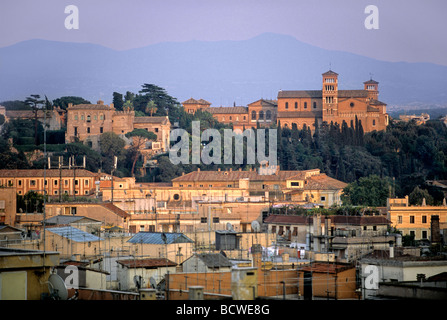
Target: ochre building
[(308, 108), (86, 122)]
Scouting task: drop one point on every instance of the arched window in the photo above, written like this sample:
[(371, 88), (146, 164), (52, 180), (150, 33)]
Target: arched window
[(261, 115), (287, 105), (296, 105), (305, 105), (253, 115), (268, 115), (315, 105), (89, 118)]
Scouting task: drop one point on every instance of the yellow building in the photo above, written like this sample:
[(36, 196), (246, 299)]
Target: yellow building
[(236, 197), (55, 182), (417, 220), (24, 273)]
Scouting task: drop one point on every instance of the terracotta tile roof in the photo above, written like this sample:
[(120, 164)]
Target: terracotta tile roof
[(330, 72), (147, 263), (227, 110), (323, 182), (377, 103), (202, 101), (352, 93), (194, 101), (288, 219), (371, 81), (190, 101), (321, 267), (236, 175), (299, 114), (39, 173), (161, 120), (116, 210), (300, 94), (266, 103), (91, 107)]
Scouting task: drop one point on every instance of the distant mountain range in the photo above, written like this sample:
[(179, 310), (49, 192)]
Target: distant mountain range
[(222, 72)]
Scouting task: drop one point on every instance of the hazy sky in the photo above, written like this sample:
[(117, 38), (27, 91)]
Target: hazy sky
[(414, 31)]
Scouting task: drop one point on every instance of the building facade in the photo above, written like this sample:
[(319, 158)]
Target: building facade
[(307, 108), (424, 222), (55, 182), (86, 123)]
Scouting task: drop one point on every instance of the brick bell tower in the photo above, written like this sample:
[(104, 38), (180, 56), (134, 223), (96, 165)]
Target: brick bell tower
[(330, 95), (372, 87)]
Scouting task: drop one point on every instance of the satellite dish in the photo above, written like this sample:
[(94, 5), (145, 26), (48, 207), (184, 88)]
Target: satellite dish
[(255, 226), (56, 286), (152, 282)]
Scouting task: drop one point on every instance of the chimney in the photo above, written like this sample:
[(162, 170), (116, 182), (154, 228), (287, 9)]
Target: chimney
[(100, 102), (257, 255), (391, 249), (435, 230), (198, 169)]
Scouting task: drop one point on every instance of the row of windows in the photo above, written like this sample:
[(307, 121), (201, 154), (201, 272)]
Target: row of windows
[(205, 220), (55, 192), (33, 182), (89, 117), (268, 115), (412, 219), (88, 130), (231, 118), (305, 105)]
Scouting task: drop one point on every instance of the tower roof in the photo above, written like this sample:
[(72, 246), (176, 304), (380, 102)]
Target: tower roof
[(371, 81), (329, 73)]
